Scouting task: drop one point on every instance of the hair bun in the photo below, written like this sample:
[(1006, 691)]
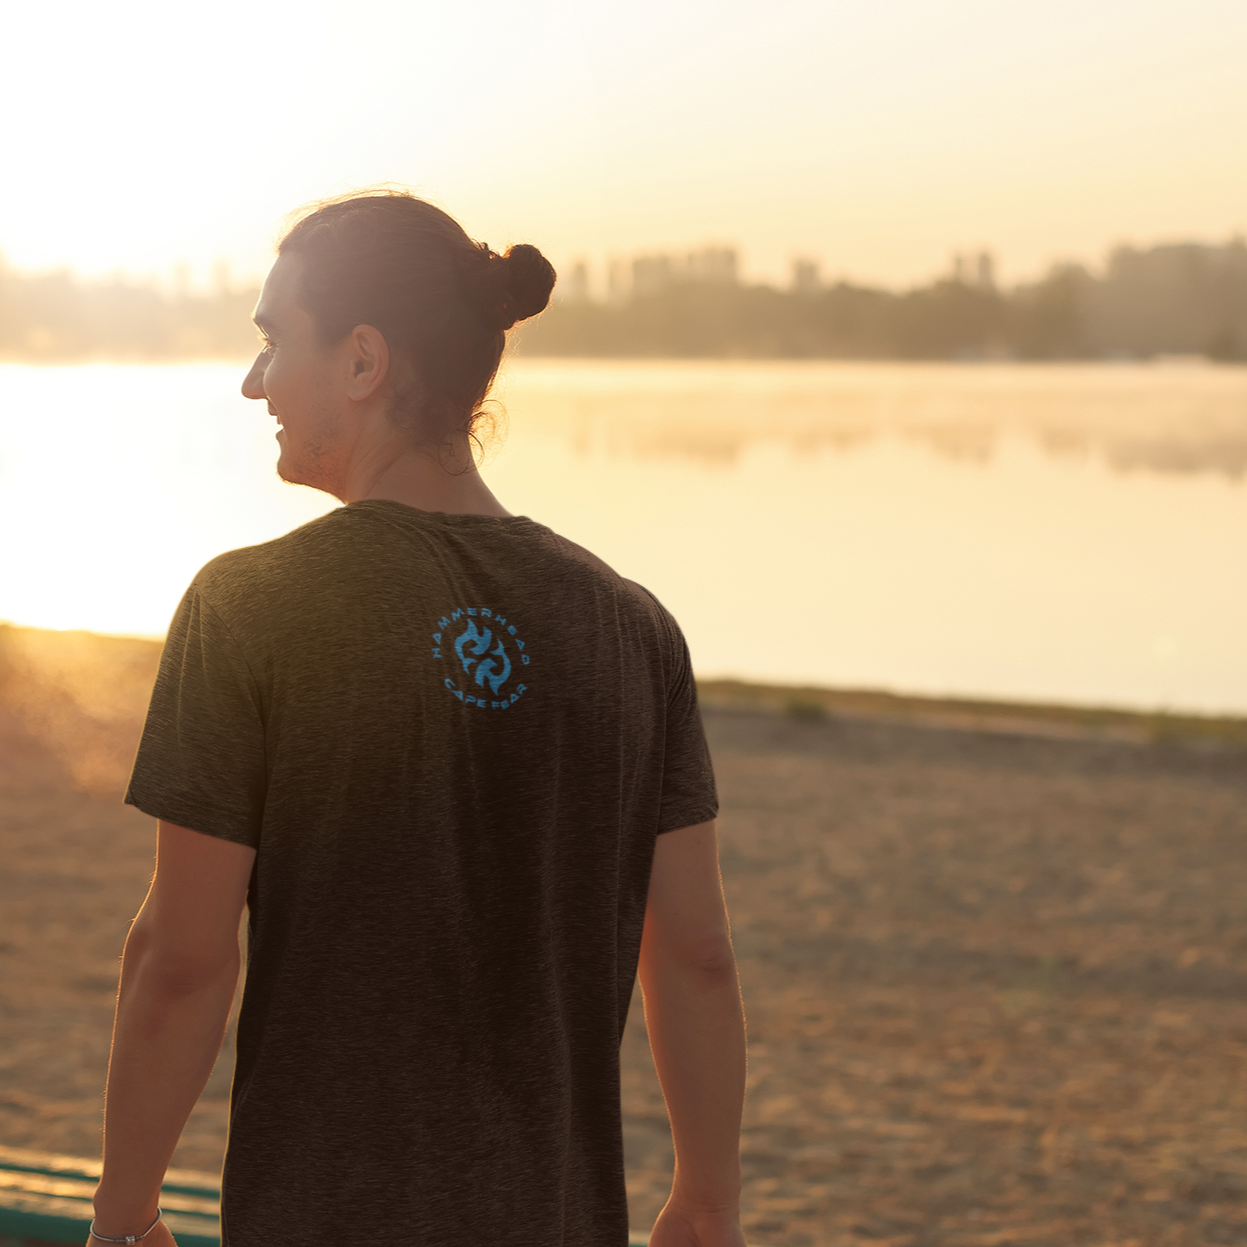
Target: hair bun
[(527, 280)]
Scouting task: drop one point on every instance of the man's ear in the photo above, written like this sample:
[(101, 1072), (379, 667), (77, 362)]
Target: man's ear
[(367, 360)]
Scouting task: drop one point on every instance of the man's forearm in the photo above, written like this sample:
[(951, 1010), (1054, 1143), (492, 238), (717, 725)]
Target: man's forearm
[(696, 1028), (166, 1038)]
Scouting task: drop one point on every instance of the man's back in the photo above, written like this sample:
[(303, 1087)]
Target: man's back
[(452, 740)]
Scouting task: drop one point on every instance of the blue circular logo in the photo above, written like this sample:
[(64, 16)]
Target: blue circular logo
[(485, 655)]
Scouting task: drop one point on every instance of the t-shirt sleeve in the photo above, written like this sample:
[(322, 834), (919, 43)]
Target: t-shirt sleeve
[(688, 792), (201, 759)]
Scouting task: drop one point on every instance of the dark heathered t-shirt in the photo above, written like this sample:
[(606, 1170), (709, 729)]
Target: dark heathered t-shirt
[(453, 740)]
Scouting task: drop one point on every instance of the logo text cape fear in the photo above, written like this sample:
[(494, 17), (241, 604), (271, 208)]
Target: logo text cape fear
[(485, 653)]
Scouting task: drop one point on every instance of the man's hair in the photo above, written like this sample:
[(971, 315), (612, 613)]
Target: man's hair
[(443, 302)]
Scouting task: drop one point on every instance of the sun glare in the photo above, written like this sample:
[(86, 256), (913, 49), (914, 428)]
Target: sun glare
[(880, 138)]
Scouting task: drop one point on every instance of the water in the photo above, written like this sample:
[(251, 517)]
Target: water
[(1059, 533)]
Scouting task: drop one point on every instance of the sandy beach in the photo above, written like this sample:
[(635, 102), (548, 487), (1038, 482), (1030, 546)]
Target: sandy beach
[(993, 960)]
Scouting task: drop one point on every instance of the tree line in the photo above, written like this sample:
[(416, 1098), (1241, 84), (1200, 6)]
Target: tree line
[(1188, 298), (56, 317)]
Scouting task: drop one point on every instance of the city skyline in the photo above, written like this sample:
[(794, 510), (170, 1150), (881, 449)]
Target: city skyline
[(613, 272), (1187, 299)]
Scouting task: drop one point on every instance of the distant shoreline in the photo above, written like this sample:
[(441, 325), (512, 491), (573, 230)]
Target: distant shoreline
[(107, 678), (1048, 719)]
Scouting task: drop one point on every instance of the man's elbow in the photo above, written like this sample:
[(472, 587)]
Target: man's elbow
[(165, 968), (710, 957), (714, 961)]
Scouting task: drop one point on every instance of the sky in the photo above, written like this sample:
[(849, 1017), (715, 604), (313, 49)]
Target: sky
[(877, 138)]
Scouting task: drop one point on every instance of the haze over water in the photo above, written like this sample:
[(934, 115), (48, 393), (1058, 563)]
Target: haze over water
[(1056, 533)]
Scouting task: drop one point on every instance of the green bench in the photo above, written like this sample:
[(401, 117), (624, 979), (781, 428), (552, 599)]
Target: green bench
[(46, 1198)]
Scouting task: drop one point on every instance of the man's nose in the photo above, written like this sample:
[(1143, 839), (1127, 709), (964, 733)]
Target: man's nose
[(253, 382)]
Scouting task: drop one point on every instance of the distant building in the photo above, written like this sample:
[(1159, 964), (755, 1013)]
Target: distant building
[(654, 273), (1176, 298), (716, 265), (575, 286), (805, 277), (651, 274), (978, 271), (617, 284)]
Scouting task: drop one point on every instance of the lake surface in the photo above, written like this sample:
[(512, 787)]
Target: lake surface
[(1060, 533)]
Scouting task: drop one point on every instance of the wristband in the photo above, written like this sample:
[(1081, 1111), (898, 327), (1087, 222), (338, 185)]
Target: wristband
[(129, 1238)]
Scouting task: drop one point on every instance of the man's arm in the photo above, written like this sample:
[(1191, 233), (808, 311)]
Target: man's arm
[(696, 1026), (178, 976)]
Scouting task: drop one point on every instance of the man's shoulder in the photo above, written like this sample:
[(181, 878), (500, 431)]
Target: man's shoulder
[(637, 602), (592, 567), (276, 565)]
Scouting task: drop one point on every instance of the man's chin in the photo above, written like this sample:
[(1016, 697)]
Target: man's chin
[(292, 476), (288, 473)]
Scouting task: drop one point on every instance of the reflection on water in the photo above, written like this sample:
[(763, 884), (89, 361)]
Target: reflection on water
[(1052, 533), (1168, 418)]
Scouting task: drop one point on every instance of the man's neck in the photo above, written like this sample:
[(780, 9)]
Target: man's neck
[(419, 479)]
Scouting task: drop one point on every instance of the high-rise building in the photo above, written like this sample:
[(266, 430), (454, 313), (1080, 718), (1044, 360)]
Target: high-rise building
[(978, 270), (617, 285), (650, 274), (805, 276), (712, 264), (576, 284)]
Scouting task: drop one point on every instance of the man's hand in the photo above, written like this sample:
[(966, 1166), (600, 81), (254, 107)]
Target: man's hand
[(681, 1226)]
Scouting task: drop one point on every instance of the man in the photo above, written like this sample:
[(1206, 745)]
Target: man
[(453, 766)]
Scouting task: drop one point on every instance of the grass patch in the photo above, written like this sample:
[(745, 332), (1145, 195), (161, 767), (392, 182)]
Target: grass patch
[(810, 703)]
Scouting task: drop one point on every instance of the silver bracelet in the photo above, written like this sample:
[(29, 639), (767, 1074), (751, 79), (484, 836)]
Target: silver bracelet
[(129, 1238)]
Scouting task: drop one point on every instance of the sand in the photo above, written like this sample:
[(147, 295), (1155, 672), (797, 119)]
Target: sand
[(993, 970)]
